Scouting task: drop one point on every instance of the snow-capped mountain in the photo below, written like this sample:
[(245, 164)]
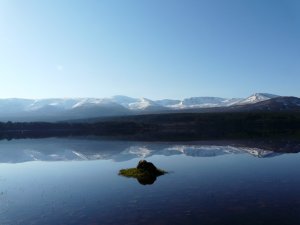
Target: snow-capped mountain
[(205, 102), (55, 109), (257, 97), (198, 102), (94, 102), (124, 100), (90, 108), (139, 104), (58, 109), (62, 103), (145, 104), (275, 105)]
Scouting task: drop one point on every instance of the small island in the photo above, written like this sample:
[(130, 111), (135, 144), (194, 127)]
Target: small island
[(145, 172)]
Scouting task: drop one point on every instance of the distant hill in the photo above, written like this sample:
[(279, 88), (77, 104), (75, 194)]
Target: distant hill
[(58, 109), (277, 104)]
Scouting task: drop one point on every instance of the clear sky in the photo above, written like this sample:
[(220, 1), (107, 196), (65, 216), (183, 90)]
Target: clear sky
[(154, 48)]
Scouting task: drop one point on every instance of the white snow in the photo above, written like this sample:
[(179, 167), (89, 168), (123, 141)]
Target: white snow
[(142, 104), (257, 97)]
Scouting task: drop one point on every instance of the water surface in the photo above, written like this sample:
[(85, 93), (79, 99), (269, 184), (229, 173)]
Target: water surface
[(75, 181)]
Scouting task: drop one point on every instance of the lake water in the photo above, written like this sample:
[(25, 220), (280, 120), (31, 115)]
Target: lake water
[(76, 181)]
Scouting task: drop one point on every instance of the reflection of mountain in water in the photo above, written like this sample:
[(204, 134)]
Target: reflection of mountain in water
[(214, 150), (55, 149)]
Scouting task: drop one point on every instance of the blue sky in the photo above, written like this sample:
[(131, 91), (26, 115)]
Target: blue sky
[(155, 49)]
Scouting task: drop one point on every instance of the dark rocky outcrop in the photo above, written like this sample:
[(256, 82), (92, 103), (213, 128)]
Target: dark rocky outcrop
[(149, 167)]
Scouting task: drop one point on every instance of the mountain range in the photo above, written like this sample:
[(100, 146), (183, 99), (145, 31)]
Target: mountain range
[(57, 109)]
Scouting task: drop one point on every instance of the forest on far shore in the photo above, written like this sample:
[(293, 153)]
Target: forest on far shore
[(169, 127)]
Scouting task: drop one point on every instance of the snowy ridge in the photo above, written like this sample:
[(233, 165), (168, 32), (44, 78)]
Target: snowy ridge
[(257, 97), (77, 108), (131, 103), (142, 104), (94, 102)]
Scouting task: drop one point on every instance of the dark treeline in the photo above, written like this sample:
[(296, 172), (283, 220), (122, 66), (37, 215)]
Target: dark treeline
[(183, 126), (11, 130)]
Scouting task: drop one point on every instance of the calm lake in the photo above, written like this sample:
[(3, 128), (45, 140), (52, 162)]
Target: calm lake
[(76, 181)]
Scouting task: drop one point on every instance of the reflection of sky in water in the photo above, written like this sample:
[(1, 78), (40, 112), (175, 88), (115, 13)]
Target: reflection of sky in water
[(228, 189)]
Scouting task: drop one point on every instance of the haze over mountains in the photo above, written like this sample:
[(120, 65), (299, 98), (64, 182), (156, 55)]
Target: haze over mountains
[(57, 109)]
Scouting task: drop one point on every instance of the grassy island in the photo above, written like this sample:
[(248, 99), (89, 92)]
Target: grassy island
[(145, 172)]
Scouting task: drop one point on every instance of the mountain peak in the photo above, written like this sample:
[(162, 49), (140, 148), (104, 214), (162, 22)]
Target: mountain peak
[(257, 97), (265, 95), (145, 103)]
